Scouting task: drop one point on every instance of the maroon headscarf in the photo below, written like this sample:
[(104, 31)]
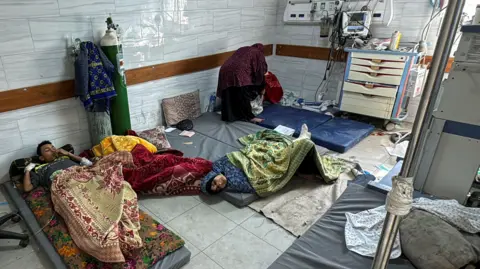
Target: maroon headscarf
[(246, 67)]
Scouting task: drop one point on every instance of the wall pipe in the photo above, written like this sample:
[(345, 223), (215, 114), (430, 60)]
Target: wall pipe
[(420, 127)]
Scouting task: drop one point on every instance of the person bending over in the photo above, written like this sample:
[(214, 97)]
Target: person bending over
[(53, 160), (241, 80)]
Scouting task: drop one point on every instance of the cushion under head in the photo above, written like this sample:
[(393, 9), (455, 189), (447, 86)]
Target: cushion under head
[(157, 137), (430, 242)]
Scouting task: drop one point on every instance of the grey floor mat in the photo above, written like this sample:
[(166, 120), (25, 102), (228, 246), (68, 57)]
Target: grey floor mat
[(199, 146), (211, 125), (213, 148), (173, 260), (239, 199), (323, 246)]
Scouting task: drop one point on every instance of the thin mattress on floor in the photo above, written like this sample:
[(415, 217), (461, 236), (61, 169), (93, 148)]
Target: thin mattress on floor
[(162, 248), (211, 125), (274, 115), (323, 245), (340, 135), (335, 134), (213, 149)]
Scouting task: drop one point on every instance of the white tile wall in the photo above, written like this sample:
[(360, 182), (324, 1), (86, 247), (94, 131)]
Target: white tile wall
[(62, 122), (35, 36), (303, 76)]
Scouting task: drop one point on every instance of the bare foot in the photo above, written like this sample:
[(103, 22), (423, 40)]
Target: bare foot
[(304, 132), (256, 120)]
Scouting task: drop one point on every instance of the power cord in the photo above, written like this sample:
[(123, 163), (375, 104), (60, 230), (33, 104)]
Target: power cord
[(41, 229)]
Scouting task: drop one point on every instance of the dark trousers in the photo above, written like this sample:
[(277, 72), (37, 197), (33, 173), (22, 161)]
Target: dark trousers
[(236, 104)]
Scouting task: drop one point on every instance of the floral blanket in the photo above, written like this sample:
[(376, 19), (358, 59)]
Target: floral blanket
[(165, 174), (100, 209), (158, 241), (270, 160)]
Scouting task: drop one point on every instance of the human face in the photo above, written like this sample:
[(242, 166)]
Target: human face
[(49, 153), (219, 183)]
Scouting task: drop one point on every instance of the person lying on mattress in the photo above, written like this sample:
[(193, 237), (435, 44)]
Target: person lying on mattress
[(268, 162), (54, 160)]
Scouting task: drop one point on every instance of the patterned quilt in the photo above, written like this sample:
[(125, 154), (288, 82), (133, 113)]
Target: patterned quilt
[(157, 240)]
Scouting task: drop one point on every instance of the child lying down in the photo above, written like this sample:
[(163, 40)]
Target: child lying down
[(267, 163)]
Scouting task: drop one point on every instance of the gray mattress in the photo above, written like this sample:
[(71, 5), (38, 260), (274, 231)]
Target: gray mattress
[(201, 146), (174, 260), (211, 125), (212, 140), (323, 245)]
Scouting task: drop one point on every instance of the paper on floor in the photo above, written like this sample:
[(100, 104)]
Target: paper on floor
[(170, 129), (284, 130), (398, 150), (187, 133)]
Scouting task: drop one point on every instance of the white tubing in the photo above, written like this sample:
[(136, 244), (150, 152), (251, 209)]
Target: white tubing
[(392, 14)]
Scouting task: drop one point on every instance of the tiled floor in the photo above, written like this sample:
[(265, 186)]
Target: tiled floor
[(218, 234)]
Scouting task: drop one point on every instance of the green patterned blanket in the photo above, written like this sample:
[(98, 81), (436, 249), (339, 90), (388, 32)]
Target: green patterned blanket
[(270, 159)]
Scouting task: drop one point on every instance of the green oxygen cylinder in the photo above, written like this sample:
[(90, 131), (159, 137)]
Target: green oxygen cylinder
[(119, 111)]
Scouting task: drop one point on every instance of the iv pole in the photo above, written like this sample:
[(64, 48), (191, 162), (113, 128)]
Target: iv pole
[(420, 127)]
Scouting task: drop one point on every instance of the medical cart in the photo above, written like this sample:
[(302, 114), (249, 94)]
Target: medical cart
[(375, 83)]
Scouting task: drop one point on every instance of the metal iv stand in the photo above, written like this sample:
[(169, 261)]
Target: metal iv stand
[(420, 127)]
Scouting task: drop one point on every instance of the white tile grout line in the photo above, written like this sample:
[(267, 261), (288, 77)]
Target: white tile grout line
[(236, 225)]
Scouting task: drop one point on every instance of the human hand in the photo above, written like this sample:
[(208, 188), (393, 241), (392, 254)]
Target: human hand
[(29, 168), (256, 120), (63, 152)]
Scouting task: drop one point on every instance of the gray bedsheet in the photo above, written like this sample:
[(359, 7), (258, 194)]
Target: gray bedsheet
[(211, 125), (323, 245), (173, 260)]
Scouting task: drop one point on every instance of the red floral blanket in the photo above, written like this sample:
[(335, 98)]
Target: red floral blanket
[(165, 174)]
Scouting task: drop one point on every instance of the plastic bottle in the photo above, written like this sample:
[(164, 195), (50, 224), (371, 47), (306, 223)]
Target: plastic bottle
[(212, 103)]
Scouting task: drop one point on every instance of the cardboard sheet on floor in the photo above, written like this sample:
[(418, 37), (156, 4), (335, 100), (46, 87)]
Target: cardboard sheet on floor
[(323, 245)]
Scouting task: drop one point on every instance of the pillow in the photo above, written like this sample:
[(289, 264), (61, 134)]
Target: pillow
[(430, 242), (156, 136), (182, 107), (18, 166)]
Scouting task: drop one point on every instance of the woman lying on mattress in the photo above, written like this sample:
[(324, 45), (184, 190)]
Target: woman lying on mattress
[(268, 162)]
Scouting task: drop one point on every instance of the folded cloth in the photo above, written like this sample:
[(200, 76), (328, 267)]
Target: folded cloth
[(363, 230), (93, 78), (273, 89)]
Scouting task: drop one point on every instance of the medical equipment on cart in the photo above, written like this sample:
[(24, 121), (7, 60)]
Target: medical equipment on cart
[(356, 23), (376, 83)]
